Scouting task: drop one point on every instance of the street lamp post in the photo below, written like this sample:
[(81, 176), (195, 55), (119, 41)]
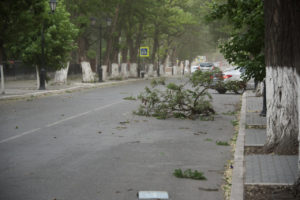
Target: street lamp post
[(139, 60), (158, 65), (52, 4), (99, 69), (264, 110)]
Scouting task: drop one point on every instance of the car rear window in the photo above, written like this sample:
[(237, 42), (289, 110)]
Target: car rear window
[(206, 64)]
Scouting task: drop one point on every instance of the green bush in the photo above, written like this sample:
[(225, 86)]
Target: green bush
[(189, 174)]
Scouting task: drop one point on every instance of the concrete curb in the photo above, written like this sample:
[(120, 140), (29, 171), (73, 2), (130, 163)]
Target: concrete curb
[(237, 187), (64, 90)]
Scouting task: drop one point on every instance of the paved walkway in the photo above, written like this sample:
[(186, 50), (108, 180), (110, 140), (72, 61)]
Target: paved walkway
[(19, 89), (265, 169), (255, 137), (258, 169), (270, 169)]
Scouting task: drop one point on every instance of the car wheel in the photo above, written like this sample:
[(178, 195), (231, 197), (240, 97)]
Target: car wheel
[(239, 91)]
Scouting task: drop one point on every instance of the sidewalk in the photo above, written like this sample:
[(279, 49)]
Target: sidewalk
[(19, 89), (257, 175)]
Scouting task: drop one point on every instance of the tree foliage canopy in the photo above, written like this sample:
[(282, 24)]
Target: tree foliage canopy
[(245, 47), (22, 23), (174, 28), (59, 34)]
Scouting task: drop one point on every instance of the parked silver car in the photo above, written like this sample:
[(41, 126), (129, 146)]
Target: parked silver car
[(233, 74), (207, 66), (194, 68)]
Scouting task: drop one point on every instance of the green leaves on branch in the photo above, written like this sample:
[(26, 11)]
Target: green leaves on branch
[(237, 87), (245, 47), (59, 34), (188, 100), (196, 175)]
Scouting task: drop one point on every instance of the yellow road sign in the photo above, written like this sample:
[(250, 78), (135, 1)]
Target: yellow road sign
[(144, 52)]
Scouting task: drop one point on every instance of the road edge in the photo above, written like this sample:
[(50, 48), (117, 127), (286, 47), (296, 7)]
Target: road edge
[(65, 90), (237, 187)]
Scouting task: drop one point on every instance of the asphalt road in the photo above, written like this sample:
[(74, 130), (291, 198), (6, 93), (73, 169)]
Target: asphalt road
[(88, 145)]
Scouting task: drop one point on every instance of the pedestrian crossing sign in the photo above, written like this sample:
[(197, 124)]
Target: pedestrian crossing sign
[(144, 51)]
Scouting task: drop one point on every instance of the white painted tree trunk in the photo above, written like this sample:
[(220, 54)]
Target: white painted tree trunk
[(150, 70), (87, 73), (174, 70), (61, 75), (297, 75), (167, 61), (37, 77), (168, 71), (104, 72), (259, 89), (282, 110), (181, 68), (133, 70), (161, 70), (115, 70), (2, 80), (124, 70)]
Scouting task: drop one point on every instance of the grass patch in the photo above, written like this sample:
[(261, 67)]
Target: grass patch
[(207, 118), (234, 137), (226, 187), (227, 179), (196, 175), (255, 126), (183, 128), (222, 143), (125, 122), (119, 78), (234, 122), (131, 98), (208, 140), (231, 113), (121, 127)]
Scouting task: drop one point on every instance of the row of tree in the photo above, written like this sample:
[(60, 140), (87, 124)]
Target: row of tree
[(265, 42), (171, 28)]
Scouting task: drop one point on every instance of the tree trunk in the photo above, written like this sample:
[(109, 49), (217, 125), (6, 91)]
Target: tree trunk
[(138, 41), (132, 55), (124, 54), (297, 74), (155, 45), (37, 77), (116, 46), (2, 79), (173, 57), (282, 115), (61, 76), (282, 58), (1, 52), (110, 39), (82, 48)]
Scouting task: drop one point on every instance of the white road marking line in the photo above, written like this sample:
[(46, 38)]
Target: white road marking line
[(67, 119), (20, 135), (58, 122), (106, 106), (126, 113)]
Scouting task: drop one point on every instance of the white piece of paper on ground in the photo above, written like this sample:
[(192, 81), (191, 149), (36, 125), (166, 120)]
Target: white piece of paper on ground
[(157, 195)]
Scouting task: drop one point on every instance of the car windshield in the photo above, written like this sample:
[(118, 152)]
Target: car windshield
[(206, 64)]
